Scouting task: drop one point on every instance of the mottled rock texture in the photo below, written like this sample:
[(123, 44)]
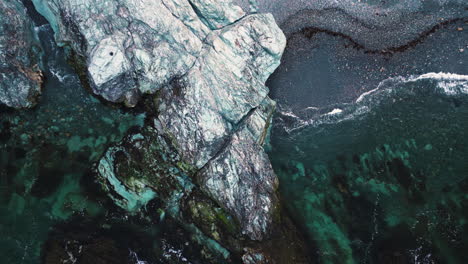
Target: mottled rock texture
[(20, 76), (135, 47), (201, 153)]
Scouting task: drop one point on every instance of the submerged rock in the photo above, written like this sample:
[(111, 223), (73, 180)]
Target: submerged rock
[(145, 166), (20, 76)]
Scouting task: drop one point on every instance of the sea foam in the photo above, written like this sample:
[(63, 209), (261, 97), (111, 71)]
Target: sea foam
[(448, 84)]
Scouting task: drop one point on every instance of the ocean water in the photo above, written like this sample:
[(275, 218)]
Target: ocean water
[(382, 179), (369, 141), (51, 207), (45, 155), (320, 68)]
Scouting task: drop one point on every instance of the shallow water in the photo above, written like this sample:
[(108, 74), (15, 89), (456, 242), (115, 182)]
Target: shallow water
[(46, 152), (52, 208)]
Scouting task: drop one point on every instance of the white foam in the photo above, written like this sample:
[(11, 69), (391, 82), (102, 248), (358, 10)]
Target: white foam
[(134, 256), (442, 76), (289, 114), (59, 76), (40, 28), (361, 97), (449, 83), (311, 108), (335, 111)]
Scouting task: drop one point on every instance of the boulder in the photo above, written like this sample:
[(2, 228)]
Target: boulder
[(201, 152), (20, 76)]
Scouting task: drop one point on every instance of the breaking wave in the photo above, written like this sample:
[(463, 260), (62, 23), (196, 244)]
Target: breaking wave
[(388, 91)]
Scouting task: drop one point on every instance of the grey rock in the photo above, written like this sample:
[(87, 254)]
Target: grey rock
[(208, 63), (130, 47), (218, 114), (20, 76), (259, 122), (135, 47), (251, 257), (202, 108), (242, 180), (217, 13)]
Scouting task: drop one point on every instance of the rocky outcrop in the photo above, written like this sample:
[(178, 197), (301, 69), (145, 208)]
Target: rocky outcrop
[(225, 84), (240, 176), (20, 76), (201, 154), (135, 47), (217, 112), (130, 47)]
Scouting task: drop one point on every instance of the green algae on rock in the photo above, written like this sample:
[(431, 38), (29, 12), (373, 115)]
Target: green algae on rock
[(147, 163), (216, 115), (192, 48), (144, 166)]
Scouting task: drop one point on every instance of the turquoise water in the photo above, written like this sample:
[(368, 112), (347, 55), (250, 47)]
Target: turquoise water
[(51, 207), (45, 154), (381, 180)]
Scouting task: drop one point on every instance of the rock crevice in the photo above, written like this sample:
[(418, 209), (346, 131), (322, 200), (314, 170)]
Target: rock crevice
[(207, 64)]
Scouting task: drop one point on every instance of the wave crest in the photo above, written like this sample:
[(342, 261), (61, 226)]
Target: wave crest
[(448, 84)]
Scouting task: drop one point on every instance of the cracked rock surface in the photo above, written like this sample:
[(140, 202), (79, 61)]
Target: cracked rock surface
[(129, 47), (207, 112), (135, 47), (207, 64), (224, 85), (20, 76), (242, 180)]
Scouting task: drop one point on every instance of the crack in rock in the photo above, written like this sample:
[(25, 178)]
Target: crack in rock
[(208, 62)]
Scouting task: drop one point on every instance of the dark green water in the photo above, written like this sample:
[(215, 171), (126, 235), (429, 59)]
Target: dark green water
[(45, 154), (386, 179), (51, 207), (382, 179)]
